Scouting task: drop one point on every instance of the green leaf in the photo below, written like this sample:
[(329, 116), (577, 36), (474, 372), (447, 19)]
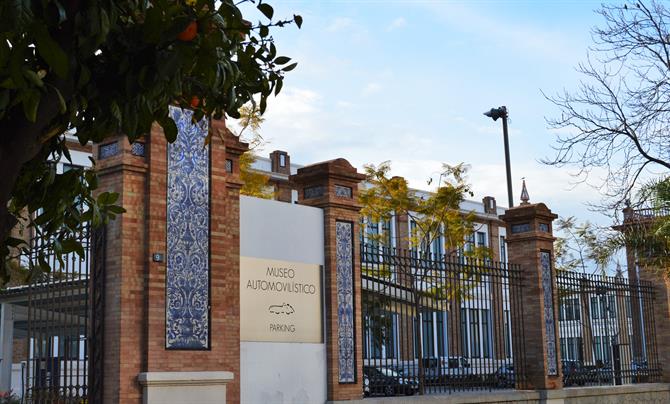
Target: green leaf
[(266, 9), (169, 128), (115, 110), (282, 60), (298, 20), (279, 85), (50, 50), (62, 106), (31, 101), (264, 31), (33, 78), (289, 67)]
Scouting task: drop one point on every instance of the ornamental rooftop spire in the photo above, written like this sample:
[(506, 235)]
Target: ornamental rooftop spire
[(524, 193)]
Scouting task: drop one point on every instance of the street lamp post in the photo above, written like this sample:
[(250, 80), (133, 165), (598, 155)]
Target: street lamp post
[(494, 114)]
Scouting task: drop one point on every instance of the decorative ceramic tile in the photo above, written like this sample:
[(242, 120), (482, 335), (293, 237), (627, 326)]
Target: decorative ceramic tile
[(549, 323), (137, 149), (345, 302), (108, 150), (343, 192), (314, 192), (520, 228), (187, 277)]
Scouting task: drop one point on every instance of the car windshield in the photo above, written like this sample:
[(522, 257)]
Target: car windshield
[(389, 372)]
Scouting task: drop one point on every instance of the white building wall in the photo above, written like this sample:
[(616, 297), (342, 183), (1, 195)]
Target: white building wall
[(275, 372)]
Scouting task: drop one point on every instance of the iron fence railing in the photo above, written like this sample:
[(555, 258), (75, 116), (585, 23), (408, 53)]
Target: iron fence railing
[(58, 327), (606, 330), (435, 323)]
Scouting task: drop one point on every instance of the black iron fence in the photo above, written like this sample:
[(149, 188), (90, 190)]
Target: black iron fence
[(56, 329), (435, 323), (606, 330)]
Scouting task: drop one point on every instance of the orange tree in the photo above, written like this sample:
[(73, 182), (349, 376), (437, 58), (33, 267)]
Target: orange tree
[(97, 67)]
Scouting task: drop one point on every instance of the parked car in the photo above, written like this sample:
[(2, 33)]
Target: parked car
[(439, 370), (505, 376), (387, 381)]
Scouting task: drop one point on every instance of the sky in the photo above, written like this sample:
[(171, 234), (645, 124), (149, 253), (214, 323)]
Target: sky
[(408, 81)]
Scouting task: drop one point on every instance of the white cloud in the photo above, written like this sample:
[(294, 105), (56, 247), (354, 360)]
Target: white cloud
[(396, 24), (371, 88), (339, 24)]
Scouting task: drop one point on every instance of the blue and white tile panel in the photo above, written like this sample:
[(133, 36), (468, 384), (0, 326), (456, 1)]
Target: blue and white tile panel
[(187, 277), (549, 323), (345, 302)]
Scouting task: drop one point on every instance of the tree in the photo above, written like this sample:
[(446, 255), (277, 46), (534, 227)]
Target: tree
[(255, 182), (99, 67), (618, 118), (584, 247), (647, 231), (436, 216)]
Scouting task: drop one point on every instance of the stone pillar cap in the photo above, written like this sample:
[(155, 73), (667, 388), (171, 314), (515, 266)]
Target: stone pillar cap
[(530, 210), (338, 168)]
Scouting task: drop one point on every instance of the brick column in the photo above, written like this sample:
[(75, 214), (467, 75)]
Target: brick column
[(123, 171), (140, 362), (530, 245), (333, 186)]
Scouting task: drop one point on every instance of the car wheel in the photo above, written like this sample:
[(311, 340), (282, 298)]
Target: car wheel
[(388, 391)]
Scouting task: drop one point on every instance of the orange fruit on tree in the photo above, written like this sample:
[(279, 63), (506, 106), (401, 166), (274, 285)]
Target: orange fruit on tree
[(189, 32), (195, 101)]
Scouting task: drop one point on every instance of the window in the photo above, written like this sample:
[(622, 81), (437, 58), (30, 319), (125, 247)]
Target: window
[(571, 348), (68, 347), (470, 243), (427, 334), (569, 310), (442, 333), (474, 333), (481, 239), (602, 349), (464, 332), (437, 246), (503, 249), (611, 306), (595, 308), (486, 333), (380, 336), (603, 307), (282, 160)]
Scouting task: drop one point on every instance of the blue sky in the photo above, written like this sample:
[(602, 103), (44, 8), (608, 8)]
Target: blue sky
[(407, 81)]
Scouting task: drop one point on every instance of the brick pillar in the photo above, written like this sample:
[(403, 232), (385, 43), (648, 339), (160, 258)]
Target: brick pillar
[(531, 246), (139, 364), (333, 186), (122, 171)]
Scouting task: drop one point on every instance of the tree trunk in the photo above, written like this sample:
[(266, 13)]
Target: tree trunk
[(20, 142)]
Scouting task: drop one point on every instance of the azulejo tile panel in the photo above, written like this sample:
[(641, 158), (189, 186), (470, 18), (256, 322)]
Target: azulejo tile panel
[(343, 192), (345, 302), (550, 325), (187, 277), (108, 150)]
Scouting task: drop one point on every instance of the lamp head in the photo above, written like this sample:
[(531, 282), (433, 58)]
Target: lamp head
[(496, 113)]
